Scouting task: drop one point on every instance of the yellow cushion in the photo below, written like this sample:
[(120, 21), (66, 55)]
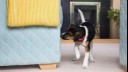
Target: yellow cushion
[(33, 13)]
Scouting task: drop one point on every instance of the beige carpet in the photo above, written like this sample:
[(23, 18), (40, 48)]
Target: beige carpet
[(106, 56)]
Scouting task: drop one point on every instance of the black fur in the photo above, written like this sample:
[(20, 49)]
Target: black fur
[(75, 29), (91, 29)]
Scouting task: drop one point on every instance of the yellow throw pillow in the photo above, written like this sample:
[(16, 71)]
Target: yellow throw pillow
[(33, 13)]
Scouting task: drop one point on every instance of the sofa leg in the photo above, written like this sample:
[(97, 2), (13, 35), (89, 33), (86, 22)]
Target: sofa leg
[(48, 66)]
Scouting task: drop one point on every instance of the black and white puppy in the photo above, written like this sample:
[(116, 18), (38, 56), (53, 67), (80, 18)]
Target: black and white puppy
[(82, 35)]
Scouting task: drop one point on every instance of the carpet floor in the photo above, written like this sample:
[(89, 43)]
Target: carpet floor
[(105, 54)]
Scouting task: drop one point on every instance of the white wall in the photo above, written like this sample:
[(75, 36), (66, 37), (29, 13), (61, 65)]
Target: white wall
[(116, 4), (114, 32)]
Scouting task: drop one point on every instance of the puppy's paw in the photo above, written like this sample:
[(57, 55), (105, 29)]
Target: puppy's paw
[(85, 67), (92, 60), (75, 59)]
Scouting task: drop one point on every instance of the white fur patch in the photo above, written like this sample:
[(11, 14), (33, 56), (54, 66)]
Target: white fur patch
[(82, 16), (86, 33), (91, 55), (86, 29), (63, 33), (86, 60), (77, 52)]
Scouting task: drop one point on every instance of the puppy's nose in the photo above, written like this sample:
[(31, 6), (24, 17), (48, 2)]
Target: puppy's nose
[(62, 35)]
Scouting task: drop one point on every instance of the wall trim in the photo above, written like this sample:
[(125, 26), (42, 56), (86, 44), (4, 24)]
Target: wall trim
[(95, 41)]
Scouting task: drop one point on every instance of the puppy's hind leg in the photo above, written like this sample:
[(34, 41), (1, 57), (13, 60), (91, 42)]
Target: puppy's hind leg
[(86, 59), (77, 52), (91, 58)]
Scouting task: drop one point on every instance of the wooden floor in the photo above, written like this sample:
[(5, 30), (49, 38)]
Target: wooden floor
[(96, 41)]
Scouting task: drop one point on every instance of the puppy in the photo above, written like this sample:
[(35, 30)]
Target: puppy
[(82, 35)]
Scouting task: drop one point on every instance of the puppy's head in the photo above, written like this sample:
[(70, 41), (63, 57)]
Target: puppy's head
[(69, 34), (74, 33)]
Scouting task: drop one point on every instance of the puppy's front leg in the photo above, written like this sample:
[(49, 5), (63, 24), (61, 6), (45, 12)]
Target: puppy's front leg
[(77, 52), (86, 60)]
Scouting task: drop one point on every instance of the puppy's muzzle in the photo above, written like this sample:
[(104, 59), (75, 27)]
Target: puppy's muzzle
[(66, 36), (63, 36)]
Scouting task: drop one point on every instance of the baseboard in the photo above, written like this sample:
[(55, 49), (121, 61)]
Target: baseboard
[(95, 41)]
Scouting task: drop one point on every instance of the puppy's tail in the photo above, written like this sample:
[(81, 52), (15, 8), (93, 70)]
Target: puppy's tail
[(82, 16)]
